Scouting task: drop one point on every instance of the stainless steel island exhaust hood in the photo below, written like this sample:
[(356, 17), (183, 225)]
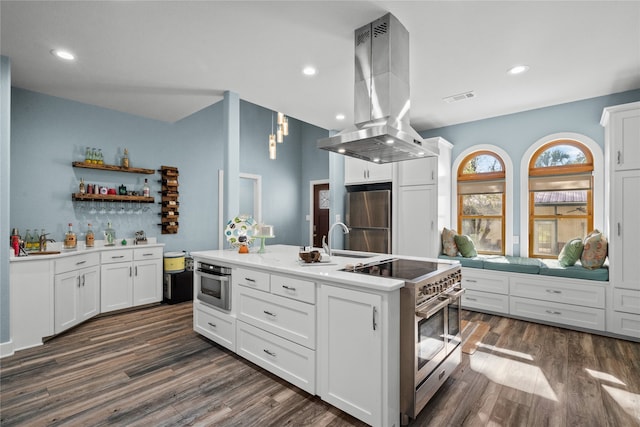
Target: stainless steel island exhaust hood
[(382, 133)]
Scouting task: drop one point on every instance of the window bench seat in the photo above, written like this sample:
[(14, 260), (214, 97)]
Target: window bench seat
[(537, 290)]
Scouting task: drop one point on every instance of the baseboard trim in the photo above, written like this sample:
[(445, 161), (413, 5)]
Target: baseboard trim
[(6, 349)]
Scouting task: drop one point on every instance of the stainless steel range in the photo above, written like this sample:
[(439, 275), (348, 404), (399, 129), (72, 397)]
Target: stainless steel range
[(430, 329)]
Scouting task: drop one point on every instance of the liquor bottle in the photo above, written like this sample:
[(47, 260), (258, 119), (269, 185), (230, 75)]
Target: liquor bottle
[(44, 245), (100, 157), (110, 235), (145, 189), (90, 237), (35, 240), (70, 241), (28, 240), (125, 159), (88, 155), (81, 187)]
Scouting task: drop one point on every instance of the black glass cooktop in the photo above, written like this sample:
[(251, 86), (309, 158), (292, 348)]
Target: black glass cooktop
[(404, 269)]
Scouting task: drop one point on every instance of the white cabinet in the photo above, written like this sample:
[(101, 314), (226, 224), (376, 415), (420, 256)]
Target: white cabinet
[(622, 135), (76, 290), (215, 325), (350, 352), (31, 302), (130, 277), (417, 214), (485, 290), (622, 154), (418, 171), (357, 171)]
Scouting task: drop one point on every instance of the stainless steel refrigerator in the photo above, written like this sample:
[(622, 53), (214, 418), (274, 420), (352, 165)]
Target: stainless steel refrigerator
[(369, 220)]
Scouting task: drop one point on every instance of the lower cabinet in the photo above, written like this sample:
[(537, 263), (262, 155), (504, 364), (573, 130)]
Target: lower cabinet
[(350, 352), (117, 286), (215, 325), (76, 292)]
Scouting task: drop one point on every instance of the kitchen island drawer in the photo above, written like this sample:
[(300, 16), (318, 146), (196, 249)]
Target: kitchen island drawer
[(301, 290), (290, 319), (217, 326), (76, 262), (485, 281), (485, 301), (251, 279), (565, 292), (118, 255), (564, 314), (289, 361), (147, 253)]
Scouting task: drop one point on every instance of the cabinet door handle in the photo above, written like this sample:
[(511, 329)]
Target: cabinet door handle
[(84, 279), (433, 175), (81, 262), (619, 229), (619, 157), (117, 257), (553, 291), (213, 325), (289, 288), (136, 270), (270, 353), (268, 313), (553, 312), (374, 324), (78, 281), (130, 271)]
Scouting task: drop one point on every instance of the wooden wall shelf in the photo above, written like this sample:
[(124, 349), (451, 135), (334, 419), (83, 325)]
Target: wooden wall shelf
[(111, 198), (113, 168)]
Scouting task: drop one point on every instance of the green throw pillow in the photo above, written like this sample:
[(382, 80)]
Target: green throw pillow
[(465, 246), (571, 252)]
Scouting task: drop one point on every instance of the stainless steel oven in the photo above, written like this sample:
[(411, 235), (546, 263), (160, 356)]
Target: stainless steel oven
[(213, 285)]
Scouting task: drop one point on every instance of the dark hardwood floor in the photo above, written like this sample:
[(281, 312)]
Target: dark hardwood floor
[(148, 368)]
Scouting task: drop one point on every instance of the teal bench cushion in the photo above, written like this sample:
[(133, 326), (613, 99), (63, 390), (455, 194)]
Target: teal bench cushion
[(513, 264), (552, 267), (475, 262)]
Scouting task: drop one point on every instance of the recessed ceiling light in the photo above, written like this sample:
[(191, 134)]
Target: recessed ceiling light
[(309, 71), (389, 141), (518, 69), (341, 150), (63, 54), (377, 160), (340, 117)]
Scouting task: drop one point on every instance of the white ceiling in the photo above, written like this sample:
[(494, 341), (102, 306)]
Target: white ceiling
[(168, 59)]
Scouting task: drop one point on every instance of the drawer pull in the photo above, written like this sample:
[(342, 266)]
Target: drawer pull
[(270, 353), (289, 288), (553, 312), (470, 299), (147, 254), (250, 280), (553, 291), (471, 281), (213, 325), (117, 257), (268, 313), (81, 262)]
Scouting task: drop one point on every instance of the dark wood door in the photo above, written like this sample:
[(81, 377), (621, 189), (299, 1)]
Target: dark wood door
[(320, 213)]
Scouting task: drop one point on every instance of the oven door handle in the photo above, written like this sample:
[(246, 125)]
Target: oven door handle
[(222, 278), (432, 309)]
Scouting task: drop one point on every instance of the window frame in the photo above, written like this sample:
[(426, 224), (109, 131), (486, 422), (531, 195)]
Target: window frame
[(483, 177)]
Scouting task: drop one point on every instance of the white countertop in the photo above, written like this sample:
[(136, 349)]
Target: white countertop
[(284, 259), (82, 249)]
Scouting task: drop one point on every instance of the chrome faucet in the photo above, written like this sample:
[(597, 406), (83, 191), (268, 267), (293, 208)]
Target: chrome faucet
[(326, 245), (43, 242)]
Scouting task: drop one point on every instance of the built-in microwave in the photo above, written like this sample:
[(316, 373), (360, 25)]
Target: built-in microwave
[(213, 285)]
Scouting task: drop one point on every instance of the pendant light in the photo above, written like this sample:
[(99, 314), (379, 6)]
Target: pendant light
[(282, 130), (272, 142)]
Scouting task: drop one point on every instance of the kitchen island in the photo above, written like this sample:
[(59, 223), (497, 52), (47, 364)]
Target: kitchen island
[(330, 332)]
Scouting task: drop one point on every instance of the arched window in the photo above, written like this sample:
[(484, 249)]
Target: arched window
[(481, 201), (560, 196)]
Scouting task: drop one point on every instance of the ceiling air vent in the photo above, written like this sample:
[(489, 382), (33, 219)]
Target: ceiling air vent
[(459, 97)]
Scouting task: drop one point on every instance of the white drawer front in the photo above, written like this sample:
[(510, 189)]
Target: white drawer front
[(625, 324), (485, 281), (626, 300), (582, 317), (251, 279), (301, 290), (549, 290), (216, 326), (289, 361), (121, 255), (76, 262), (147, 253), (485, 301), (293, 320)]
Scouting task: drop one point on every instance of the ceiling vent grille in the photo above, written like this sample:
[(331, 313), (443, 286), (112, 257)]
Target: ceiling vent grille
[(459, 97)]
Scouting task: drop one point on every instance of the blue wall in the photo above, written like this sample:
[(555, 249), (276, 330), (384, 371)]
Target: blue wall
[(515, 133)]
